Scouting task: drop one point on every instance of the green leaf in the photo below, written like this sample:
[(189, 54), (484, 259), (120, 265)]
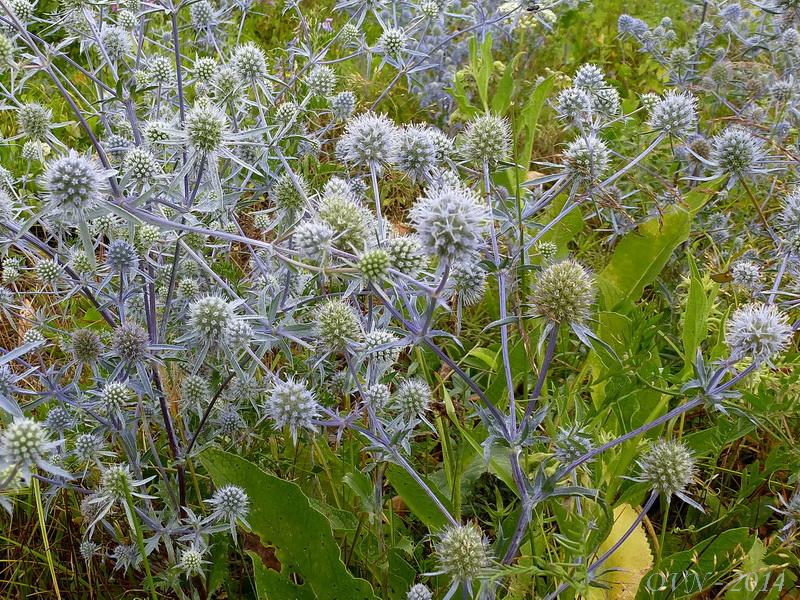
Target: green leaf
[(417, 499), (502, 96), (695, 322), (283, 518), (530, 117), (640, 256), (483, 70)]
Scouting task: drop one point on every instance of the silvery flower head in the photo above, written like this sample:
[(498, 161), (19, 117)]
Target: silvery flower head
[(130, 343), (382, 345), (126, 556), (321, 81), (374, 264), (116, 42), (746, 274), (405, 254), (369, 140), (789, 216), (34, 120), (313, 239), (86, 346), (571, 443), (419, 592), (587, 158), (350, 220), (249, 62), (573, 103), (416, 152), (232, 504), (668, 466), (392, 41), (24, 444), (413, 397), (140, 164), (589, 77), (631, 26), (161, 71), (291, 403), (121, 256), (487, 139), (336, 325), (450, 223), (75, 185), (469, 282), (343, 104), (674, 114), (462, 553), (758, 331), (564, 293), (206, 126), (209, 316), (737, 153)]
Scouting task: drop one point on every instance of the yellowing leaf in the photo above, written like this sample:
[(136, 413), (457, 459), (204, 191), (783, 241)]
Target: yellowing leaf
[(634, 557)]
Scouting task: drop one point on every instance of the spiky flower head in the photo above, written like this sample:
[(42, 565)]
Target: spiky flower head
[(250, 62), (547, 250), (487, 139), (195, 390), (450, 223), (607, 102), (49, 271), (418, 591), (789, 216), (469, 282), (75, 185), (413, 397), (462, 552), (587, 158), (405, 254), (115, 396), (130, 342), (321, 81), (382, 345), (291, 403), (88, 549), (374, 264), (156, 132), (564, 293), (206, 126), (24, 441), (378, 395), (336, 324), (88, 447), (351, 222), (34, 120), (237, 334), (369, 140), (205, 67), (573, 103), (23, 10), (116, 42), (126, 556), (736, 153), (191, 561), (202, 14), (668, 466), (571, 444), (746, 274), (127, 19), (343, 104), (32, 335), (758, 331), (392, 41), (209, 316), (231, 503), (675, 114), (121, 256), (313, 239), (147, 236), (6, 49), (140, 164), (161, 71), (285, 194), (58, 419), (589, 77), (416, 152), (86, 346)]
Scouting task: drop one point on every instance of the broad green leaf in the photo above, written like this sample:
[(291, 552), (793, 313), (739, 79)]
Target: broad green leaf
[(501, 100), (483, 70), (283, 518), (417, 499), (530, 117), (641, 255), (695, 322)]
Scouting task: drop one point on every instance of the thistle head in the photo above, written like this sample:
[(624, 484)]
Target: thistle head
[(462, 552), (249, 62), (86, 346), (487, 139), (336, 325), (587, 158), (209, 316), (321, 81), (131, 342), (121, 256), (675, 114), (291, 403), (736, 152), (369, 140), (374, 264), (668, 466), (206, 126), (75, 185), (758, 331), (24, 441), (313, 239), (34, 120), (416, 152), (413, 397), (564, 293)]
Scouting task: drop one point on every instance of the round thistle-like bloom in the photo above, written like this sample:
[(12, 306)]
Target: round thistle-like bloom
[(573, 103), (140, 164), (321, 81), (147, 236), (381, 337), (675, 114), (759, 331), (571, 444), (746, 274), (49, 271), (202, 14), (116, 481), (191, 561), (649, 101), (413, 397), (487, 138), (34, 334), (237, 334), (88, 446), (462, 552), (368, 139), (419, 591), (564, 293), (589, 77), (116, 42), (209, 317), (161, 71), (405, 254), (291, 403), (127, 19), (34, 120), (587, 158), (736, 152), (194, 390), (374, 264), (668, 466), (249, 62), (350, 33), (58, 419), (351, 222), (286, 196), (75, 185), (337, 324), (606, 102), (6, 49), (229, 423), (130, 343), (205, 127), (416, 152), (31, 151), (343, 104), (450, 223), (156, 132), (24, 441), (469, 282), (790, 214), (205, 68), (231, 503), (547, 250), (115, 396), (313, 239), (121, 256), (392, 41), (117, 145), (86, 346)]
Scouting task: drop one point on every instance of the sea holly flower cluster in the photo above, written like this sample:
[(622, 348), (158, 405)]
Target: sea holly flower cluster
[(371, 288)]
